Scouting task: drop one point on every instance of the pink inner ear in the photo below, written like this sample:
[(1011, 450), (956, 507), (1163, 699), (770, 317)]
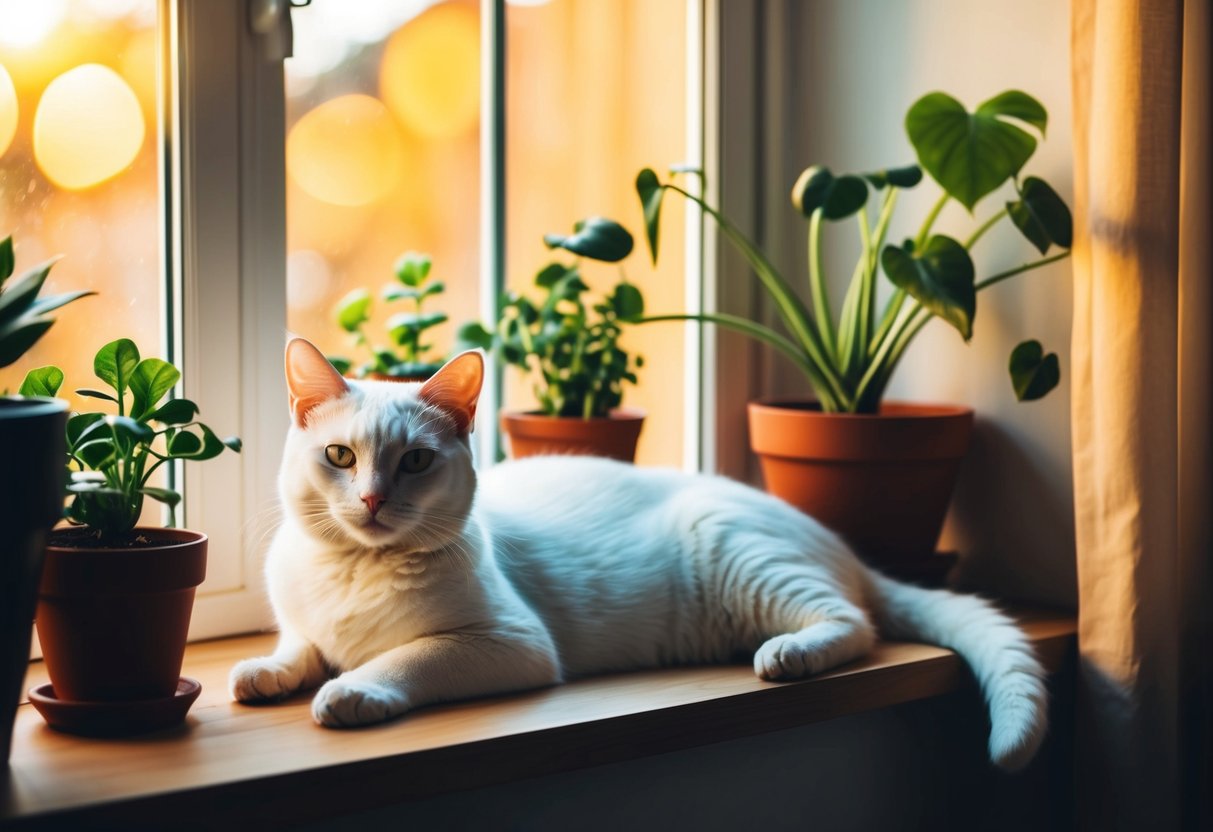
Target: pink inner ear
[(310, 379), (456, 387)]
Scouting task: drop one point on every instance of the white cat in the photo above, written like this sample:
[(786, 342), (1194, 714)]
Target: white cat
[(397, 581)]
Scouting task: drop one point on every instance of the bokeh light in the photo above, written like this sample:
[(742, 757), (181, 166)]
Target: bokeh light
[(88, 127), (430, 75), (8, 110), (26, 23), (347, 151)]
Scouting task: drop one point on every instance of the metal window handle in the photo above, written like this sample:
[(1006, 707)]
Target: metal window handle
[(270, 20)]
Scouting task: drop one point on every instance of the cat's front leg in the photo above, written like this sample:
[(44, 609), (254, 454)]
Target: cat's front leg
[(295, 665), (438, 668)]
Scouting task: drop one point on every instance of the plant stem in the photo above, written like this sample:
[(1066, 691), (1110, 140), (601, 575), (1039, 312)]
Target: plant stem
[(985, 226), (921, 239), (821, 297), (891, 311), (1001, 276), (886, 346)]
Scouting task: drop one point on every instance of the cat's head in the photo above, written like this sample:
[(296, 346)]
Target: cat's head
[(379, 464)]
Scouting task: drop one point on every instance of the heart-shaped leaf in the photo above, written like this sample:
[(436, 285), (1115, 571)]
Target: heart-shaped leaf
[(150, 381), (597, 238), (904, 177), (1042, 215), (971, 154), (352, 310), (188, 445), (115, 362), (1033, 374), (174, 412), (837, 196), (939, 276), (42, 381), (627, 302), (650, 191), (413, 267)]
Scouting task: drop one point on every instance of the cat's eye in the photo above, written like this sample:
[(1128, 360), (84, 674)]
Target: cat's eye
[(339, 455), (417, 460)]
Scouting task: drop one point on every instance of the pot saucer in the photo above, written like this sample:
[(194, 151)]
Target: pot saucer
[(115, 719)]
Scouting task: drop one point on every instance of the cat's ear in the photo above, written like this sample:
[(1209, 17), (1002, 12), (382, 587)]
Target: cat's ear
[(456, 387), (310, 379)]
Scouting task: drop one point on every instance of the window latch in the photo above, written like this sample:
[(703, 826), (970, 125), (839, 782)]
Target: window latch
[(270, 21)]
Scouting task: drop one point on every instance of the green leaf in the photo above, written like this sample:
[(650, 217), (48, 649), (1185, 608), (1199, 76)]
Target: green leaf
[(174, 412), (551, 273), (650, 191), (187, 445), (96, 453), (904, 177), (7, 261), (352, 310), (79, 424), (597, 238), (1042, 215), (115, 362), (971, 154), (837, 196), (20, 295), (95, 394), (125, 427), (474, 335), (341, 365), (164, 495), (627, 302), (1033, 374), (413, 267), (42, 381), (392, 292), (16, 337), (183, 443), (234, 443), (940, 277), (52, 302), (150, 381), (399, 326)]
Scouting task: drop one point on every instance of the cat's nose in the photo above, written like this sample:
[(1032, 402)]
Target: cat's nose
[(373, 502)]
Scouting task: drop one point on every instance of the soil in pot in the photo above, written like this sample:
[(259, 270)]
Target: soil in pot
[(535, 434), (113, 619), (881, 481)]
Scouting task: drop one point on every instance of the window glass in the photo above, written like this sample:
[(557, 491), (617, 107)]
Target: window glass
[(79, 172), (595, 91), (382, 154)]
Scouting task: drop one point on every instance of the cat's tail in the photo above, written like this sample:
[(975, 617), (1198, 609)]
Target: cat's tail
[(996, 649)]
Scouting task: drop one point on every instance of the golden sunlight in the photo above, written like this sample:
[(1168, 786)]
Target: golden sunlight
[(25, 23), (346, 151), (430, 75), (88, 127), (8, 110)]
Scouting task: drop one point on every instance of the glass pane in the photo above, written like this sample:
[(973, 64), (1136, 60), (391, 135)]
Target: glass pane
[(382, 151), (79, 172), (596, 91)]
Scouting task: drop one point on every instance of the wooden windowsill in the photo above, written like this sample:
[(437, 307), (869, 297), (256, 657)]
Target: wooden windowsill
[(235, 761)]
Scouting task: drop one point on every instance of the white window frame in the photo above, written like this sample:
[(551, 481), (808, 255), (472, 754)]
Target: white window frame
[(223, 143)]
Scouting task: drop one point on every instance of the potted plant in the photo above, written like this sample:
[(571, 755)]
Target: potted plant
[(115, 598), (31, 433), (407, 358), (572, 345), (881, 473)]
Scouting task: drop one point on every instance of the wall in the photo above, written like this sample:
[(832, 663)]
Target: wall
[(853, 69)]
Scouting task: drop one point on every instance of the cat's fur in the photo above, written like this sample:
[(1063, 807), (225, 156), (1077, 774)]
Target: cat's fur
[(553, 568)]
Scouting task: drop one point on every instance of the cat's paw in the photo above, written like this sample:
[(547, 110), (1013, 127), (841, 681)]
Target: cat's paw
[(258, 680), (346, 703), (783, 658)]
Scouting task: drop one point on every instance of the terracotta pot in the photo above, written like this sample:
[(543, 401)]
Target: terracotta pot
[(534, 434), (881, 481), (113, 622), (31, 500)]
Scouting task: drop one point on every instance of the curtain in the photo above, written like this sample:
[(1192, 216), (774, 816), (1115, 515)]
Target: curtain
[(1140, 412)]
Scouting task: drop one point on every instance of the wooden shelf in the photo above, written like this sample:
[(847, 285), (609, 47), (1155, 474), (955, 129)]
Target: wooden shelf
[(233, 761)]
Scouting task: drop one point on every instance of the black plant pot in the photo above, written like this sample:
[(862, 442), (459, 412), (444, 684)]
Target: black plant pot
[(31, 500)]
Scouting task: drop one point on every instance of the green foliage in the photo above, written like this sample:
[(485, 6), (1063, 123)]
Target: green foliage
[(23, 315), (112, 456), (570, 341), (407, 355), (850, 360)]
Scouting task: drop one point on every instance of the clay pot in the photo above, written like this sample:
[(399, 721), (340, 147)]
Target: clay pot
[(882, 481), (31, 500), (113, 621), (534, 434)]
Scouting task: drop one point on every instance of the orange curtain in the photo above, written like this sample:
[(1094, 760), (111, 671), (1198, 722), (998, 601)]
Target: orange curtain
[(1141, 418)]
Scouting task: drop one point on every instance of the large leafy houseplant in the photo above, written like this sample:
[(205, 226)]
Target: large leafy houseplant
[(568, 340), (31, 487), (849, 359), (407, 356)]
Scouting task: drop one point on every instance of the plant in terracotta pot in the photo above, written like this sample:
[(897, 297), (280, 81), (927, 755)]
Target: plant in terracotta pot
[(571, 344), (31, 488), (115, 599), (407, 357), (881, 473)]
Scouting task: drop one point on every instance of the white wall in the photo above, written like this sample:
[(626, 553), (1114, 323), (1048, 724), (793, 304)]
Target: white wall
[(853, 72)]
